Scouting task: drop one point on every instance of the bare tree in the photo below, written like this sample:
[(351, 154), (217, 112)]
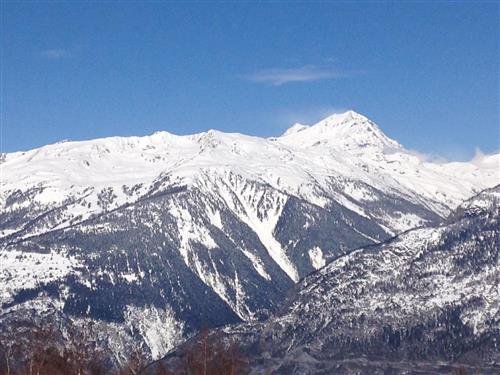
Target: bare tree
[(209, 356), (7, 350), (44, 350)]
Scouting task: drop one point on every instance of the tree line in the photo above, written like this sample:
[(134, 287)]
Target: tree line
[(47, 350)]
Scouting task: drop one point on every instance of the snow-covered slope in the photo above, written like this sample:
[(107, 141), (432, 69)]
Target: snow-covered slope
[(208, 228), (426, 301), (344, 158)]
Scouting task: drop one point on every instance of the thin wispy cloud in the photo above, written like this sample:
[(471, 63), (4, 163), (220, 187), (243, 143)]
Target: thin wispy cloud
[(456, 154), (307, 73), (56, 53)]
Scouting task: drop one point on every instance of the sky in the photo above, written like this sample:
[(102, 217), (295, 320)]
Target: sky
[(426, 72)]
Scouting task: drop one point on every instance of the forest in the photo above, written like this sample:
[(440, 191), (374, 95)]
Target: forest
[(47, 350)]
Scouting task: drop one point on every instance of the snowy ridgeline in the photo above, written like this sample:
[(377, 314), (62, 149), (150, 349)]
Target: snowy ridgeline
[(206, 229), (346, 150)]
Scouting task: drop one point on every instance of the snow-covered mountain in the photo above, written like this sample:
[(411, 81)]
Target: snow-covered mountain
[(426, 301), (206, 229)]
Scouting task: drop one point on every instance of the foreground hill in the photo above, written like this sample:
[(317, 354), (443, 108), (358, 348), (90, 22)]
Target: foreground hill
[(153, 238), (426, 300)]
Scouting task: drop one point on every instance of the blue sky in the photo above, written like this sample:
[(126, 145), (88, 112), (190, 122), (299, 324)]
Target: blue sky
[(426, 72)]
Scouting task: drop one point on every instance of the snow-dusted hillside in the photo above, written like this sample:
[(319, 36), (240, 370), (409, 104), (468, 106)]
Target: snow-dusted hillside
[(426, 301), (210, 228)]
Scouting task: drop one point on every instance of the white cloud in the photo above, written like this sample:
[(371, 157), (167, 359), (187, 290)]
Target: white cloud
[(481, 157), (307, 73), (454, 154), (56, 53)]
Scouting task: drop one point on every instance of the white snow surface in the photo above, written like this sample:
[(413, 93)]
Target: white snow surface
[(159, 328), (346, 144), (22, 270), (316, 257)]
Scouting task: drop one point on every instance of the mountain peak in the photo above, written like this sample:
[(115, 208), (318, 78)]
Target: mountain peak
[(340, 118), (332, 120), (348, 130)]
